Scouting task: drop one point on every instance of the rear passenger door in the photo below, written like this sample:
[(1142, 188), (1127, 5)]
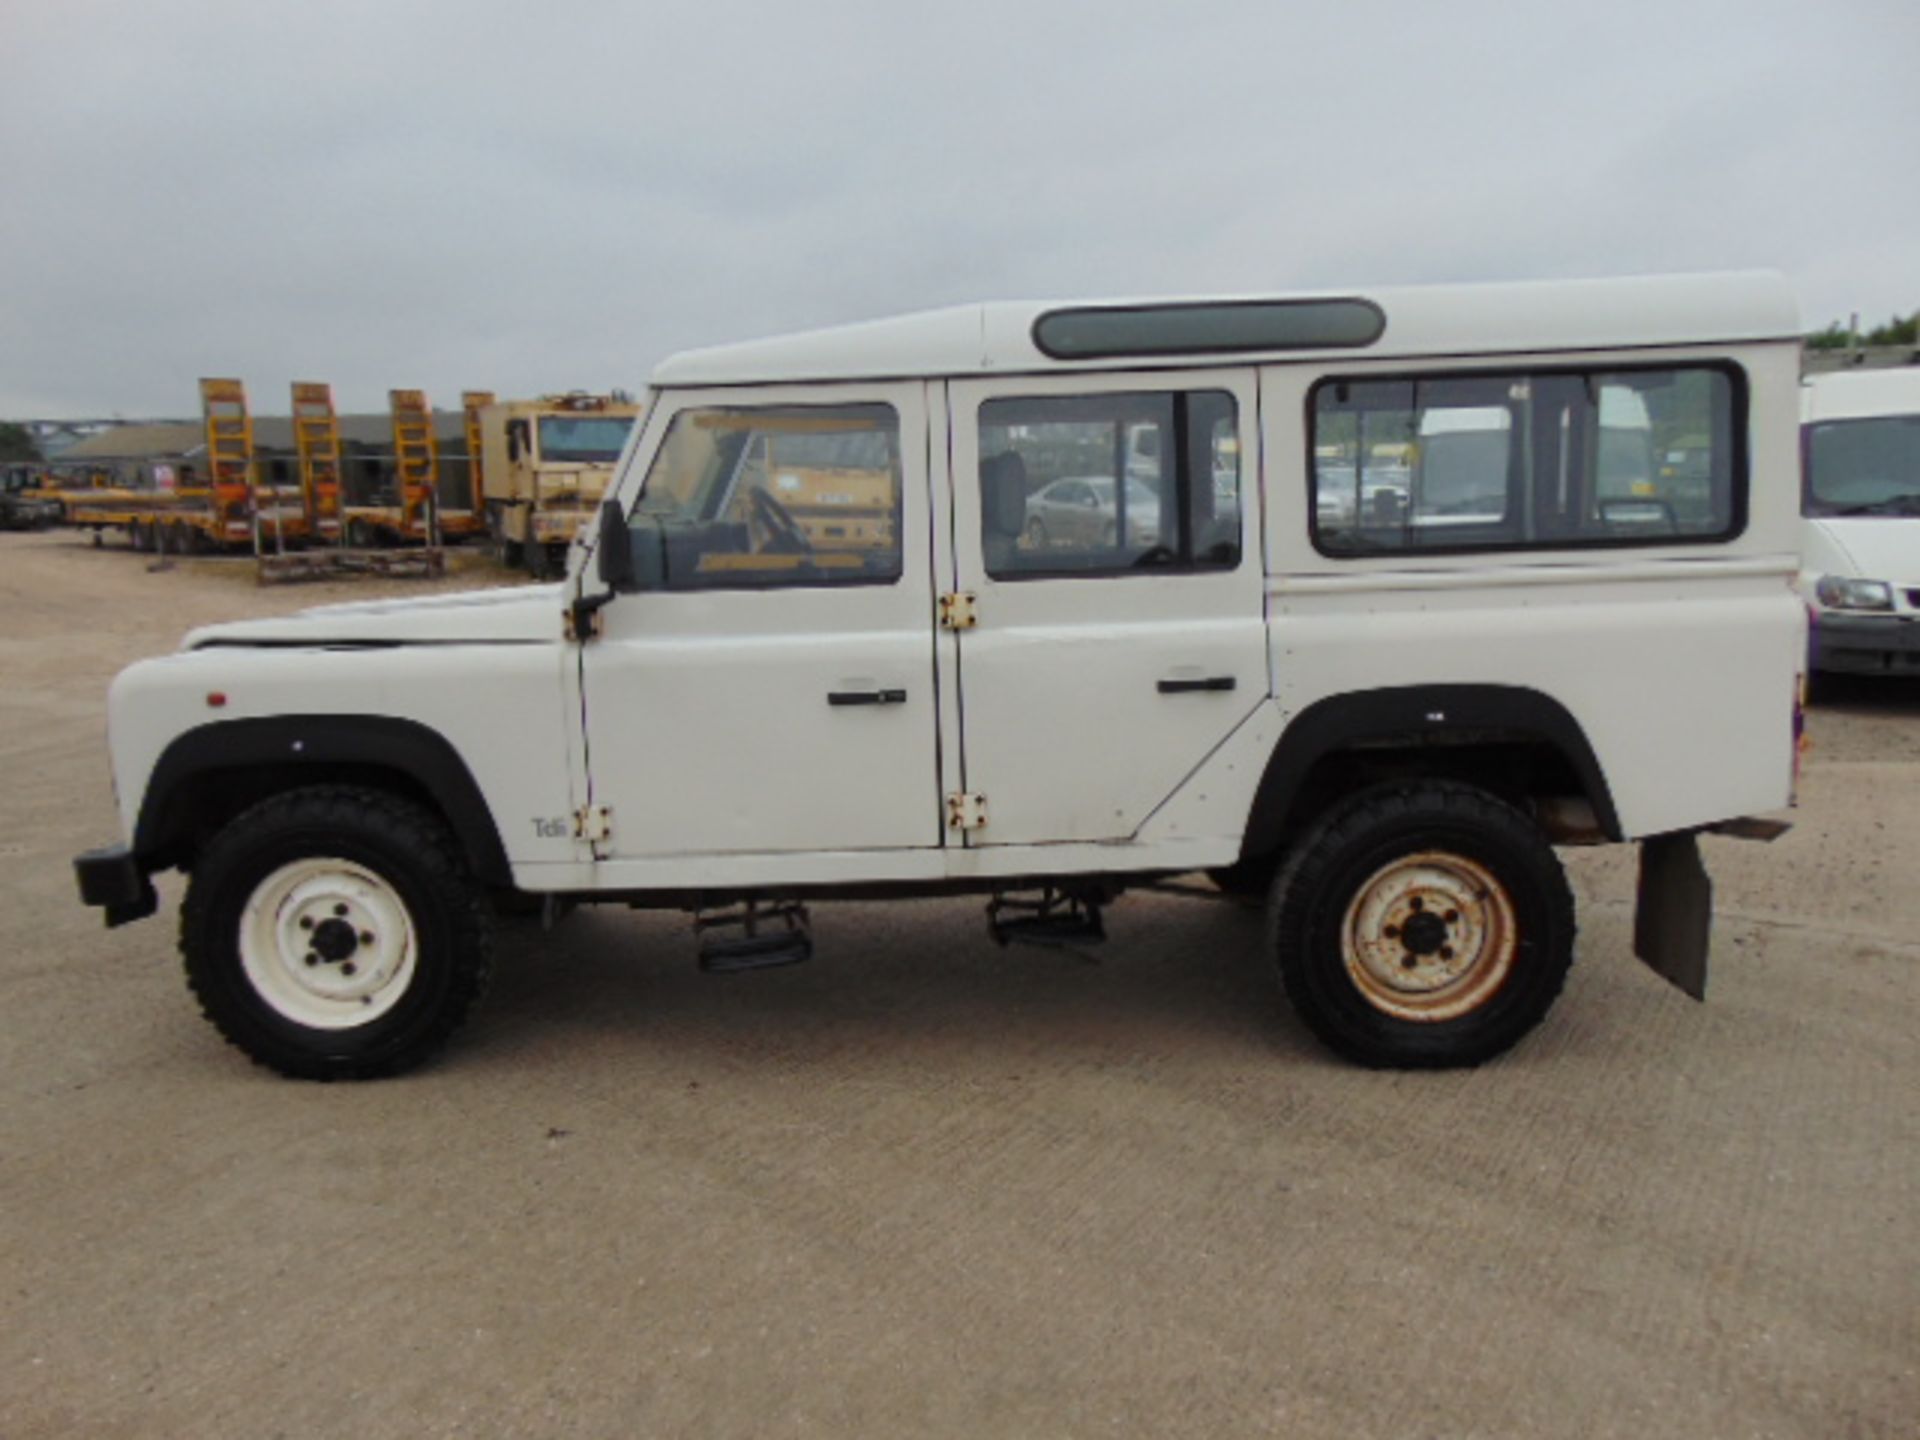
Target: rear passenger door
[(1111, 655)]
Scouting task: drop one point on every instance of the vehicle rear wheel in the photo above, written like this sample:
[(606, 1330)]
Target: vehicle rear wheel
[(334, 933), (1421, 926)]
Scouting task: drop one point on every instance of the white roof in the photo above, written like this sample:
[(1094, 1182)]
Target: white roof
[(1424, 320), (1855, 394)]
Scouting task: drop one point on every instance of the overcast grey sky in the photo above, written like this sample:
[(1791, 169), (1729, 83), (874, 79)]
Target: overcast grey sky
[(526, 197)]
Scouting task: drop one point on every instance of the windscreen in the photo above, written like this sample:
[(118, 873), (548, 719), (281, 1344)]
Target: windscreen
[(583, 439), (1864, 467)]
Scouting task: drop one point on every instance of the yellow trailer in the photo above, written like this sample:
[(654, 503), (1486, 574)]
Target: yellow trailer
[(416, 512), (219, 505)]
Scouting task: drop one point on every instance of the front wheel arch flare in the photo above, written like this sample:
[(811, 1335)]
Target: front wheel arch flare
[(305, 749)]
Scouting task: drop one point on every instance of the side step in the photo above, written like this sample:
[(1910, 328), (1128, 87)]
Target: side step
[(1053, 919), (753, 937)]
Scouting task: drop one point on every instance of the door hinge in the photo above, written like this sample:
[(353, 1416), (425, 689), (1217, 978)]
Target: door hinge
[(958, 611), (966, 810), (593, 823), (583, 622)]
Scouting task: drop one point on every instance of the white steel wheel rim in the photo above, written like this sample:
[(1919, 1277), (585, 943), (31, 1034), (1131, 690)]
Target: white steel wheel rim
[(327, 943), (1430, 937)]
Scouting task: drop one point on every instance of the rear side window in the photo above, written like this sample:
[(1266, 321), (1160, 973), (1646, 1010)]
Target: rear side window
[(1140, 482), (1528, 460)]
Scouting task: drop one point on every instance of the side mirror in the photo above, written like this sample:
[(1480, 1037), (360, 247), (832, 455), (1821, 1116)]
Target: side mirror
[(614, 552)]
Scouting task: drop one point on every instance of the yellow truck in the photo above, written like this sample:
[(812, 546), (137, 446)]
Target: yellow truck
[(544, 465)]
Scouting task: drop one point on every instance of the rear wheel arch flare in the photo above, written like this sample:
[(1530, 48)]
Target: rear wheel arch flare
[(1421, 715)]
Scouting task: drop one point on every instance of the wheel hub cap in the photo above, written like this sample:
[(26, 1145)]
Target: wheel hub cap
[(1430, 936), (333, 939), (327, 943)]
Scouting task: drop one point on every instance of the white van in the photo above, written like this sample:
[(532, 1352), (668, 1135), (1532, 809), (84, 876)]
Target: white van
[(1860, 546), (1254, 667)]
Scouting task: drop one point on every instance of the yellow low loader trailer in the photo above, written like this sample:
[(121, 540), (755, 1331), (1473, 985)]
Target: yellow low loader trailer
[(221, 504), (419, 514), (544, 467)]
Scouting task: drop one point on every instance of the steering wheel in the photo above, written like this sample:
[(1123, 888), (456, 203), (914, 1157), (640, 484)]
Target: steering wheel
[(784, 535)]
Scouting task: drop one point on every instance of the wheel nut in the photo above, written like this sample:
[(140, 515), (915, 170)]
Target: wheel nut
[(347, 967), (1446, 952), (340, 910), (366, 937), (312, 959), (1417, 903), (1392, 932), (1409, 960), (306, 922), (1452, 916)]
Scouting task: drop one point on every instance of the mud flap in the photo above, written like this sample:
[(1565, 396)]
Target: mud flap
[(1673, 916)]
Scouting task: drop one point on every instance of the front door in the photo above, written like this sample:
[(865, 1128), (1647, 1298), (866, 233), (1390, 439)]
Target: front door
[(1108, 526), (771, 686)]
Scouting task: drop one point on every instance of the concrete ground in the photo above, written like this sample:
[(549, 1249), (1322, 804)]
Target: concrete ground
[(923, 1186)]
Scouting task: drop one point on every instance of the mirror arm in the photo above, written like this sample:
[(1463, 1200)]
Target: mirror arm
[(615, 573), (581, 624)]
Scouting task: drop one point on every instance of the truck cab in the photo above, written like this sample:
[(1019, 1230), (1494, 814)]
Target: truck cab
[(811, 649), (544, 465), (1860, 569)]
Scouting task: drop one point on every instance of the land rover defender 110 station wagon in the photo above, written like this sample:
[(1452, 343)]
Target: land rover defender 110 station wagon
[(1359, 604)]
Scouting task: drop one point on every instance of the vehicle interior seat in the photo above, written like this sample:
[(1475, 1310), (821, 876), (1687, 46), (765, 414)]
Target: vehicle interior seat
[(1003, 509)]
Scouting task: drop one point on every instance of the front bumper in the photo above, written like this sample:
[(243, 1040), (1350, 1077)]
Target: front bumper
[(111, 880), (1866, 644)]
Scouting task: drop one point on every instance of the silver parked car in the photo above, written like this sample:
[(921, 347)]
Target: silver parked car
[(1082, 512)]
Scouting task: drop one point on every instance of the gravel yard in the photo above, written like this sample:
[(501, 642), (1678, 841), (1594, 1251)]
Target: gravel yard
[(923, 1186)]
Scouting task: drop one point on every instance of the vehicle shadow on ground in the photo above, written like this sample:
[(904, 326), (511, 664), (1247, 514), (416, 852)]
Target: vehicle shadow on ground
[(888, 981), (1867, 696)]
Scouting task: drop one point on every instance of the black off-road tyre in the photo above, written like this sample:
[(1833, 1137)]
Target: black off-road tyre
[(1497, 907), (405, 848)]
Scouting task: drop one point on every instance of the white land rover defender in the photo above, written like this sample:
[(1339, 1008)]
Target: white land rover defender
[(1358, 603)]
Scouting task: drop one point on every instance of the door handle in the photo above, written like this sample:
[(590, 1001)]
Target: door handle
[(866, 697), (1210, 682)]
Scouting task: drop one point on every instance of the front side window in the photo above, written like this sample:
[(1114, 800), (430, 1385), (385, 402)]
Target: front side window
[(1104, 484), (1864, 467), (1527, 460), (744, 498)]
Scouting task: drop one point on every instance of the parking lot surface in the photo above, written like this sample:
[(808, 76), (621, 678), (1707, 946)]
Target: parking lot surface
[(924, 1186)]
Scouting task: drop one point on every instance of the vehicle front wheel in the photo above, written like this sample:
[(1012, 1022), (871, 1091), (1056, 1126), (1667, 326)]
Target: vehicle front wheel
[(334, 933), (1422, 925)]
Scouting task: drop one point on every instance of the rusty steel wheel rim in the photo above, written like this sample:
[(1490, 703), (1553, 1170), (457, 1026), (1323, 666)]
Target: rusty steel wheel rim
[(1430, 937)]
